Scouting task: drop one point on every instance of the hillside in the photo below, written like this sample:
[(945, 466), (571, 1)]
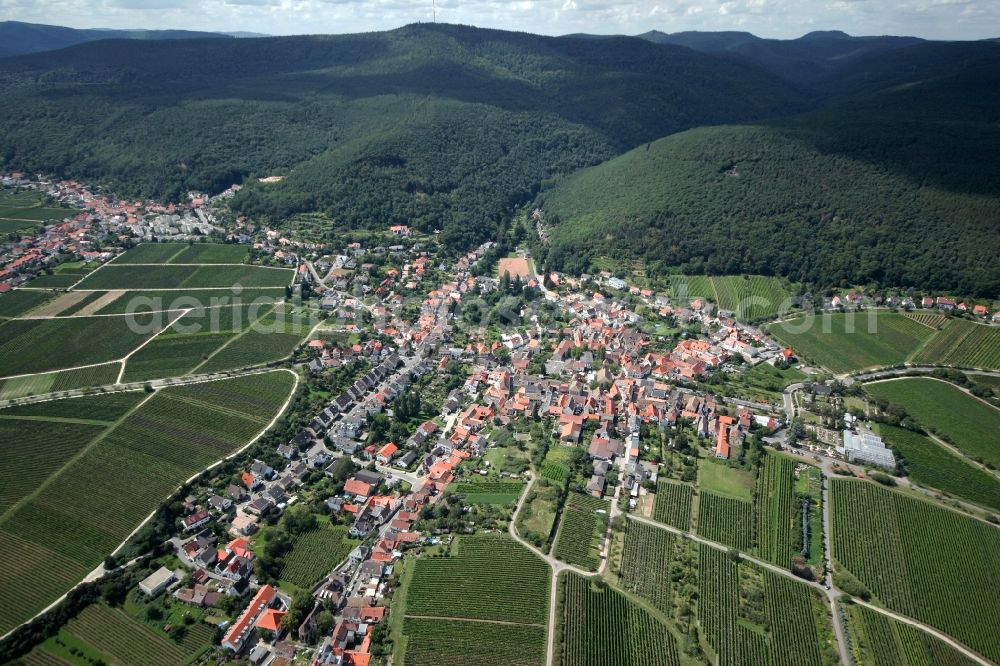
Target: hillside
[(896, 187), (17, 38), (439, 126)]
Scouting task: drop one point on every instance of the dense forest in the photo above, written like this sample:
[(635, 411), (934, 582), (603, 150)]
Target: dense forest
[(445, 126), (881, 169), (896, 188), (17, 38)]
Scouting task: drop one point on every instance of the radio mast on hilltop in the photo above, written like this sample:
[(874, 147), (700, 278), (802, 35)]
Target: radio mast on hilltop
[(435, 7)]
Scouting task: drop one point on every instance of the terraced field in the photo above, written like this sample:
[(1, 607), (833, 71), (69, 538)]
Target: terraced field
[(849, 342), (601, 626), (673, 504), (967, 423), (921, 560), (82, 511), (581, 531)]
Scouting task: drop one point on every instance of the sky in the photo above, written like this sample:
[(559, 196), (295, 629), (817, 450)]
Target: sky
[(933, 19)]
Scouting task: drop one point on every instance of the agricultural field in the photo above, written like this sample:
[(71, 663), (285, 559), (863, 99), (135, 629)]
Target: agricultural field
[(581, 531), (965, 422), (750, 615), (457, 643), (673, 504), (928, 319), (61, 380), (487, 577), (103, 409), (776, 515), (920, 559), (273, 338), (963, 343), (24, 209), (751, 298), (557, 463), (125, 640), (166, 276), (82, 511), (602, 626), (644, 567), (183, 253), (314, 554), (488, 492), (721, 479), (931, 465), (20, 302), (849, 342), (41, 345), (121, 302), (880, 640), (725, 520), (538, 514)]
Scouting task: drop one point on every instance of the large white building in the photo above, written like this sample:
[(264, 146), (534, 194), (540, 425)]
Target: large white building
[(867, 447)]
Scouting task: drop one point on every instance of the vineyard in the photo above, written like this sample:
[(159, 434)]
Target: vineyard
[(62, 380), (751, 298), (124, 276), (40, 345), (878, 640), (90, 506), (554, 471), (457, 643), (775, 516), (20, 302), (314, 554), (931, 465), (490, 578), (921, 560), (673, 504), (644, 566), (725, 520), (101, 407), (581, 531), (151, 301), (130, 642), (929, 319), (963, 343), (149, 253), (601, 626), (489, 492), (182, 253), (965, 422), (848, 342), (718, 599)]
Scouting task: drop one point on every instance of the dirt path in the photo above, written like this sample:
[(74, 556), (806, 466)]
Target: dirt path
[(101, 302), (477, 620)]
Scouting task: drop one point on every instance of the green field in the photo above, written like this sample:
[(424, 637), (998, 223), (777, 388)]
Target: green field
[(725, 520), (777, 514), (846, 342), (181, 299), (22, 209), (750, 615), (721, 479), (556, 465), (883, 641), (80, 512), (458, 643), (124, 276), (967, 423), (183, 253), (64, 380), (42, 345), (750, 298), (930, 464), (963, 343), (602, 626), (673, 504), (488, 492), (20, 302), (100, 407), (919, 559), (314, 554), (581, 531)]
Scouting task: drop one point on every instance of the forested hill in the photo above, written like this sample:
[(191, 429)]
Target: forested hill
[(433, 125), (17, 38), (896, 186)]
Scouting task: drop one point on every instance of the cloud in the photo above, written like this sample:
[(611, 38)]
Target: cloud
[(948, 19)]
